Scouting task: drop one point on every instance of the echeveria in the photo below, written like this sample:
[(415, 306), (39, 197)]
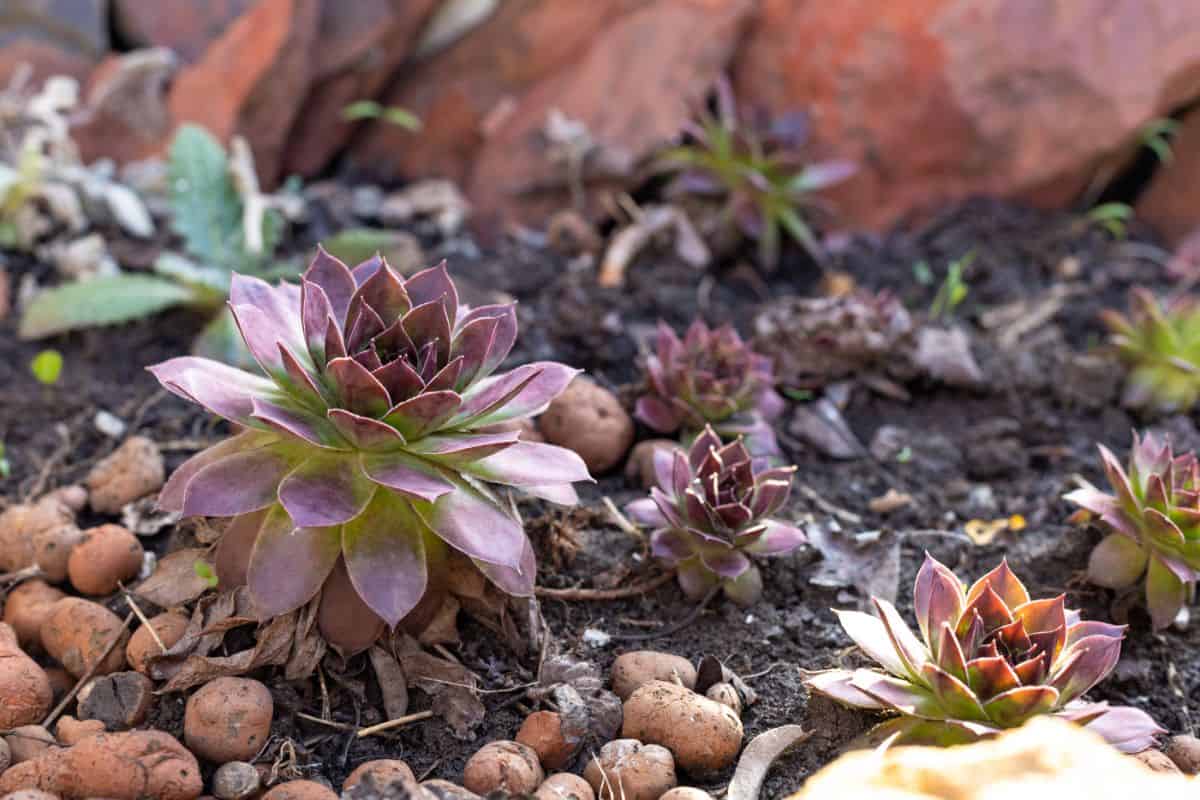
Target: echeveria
[(710, 377), (1160, 344), (1153, 523), (369, 439), (987, 659), (711, 510)]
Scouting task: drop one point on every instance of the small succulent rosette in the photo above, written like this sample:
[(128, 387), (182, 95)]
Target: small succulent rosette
[(711, 511), (711, 377), (1153, 524), (368, 443), (988, 658), (1160, 346)]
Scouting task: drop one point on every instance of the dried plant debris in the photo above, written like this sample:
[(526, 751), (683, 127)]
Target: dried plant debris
[(816, 341), (868, 562)]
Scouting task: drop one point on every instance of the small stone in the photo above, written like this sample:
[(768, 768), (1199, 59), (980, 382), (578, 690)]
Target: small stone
[(383, 771), (228, 719), (301, 790), (70, 731), (564, 786), (503, 766), (109, 424), (633, 670), (169, 627), (235, 780), (702, 734), (686, 793), (121, 700), (639, 467), (5, 756), (626, 769), (590, 420), (27, 606), (542, 731), (1157, 760), (726, 695), (27, 742), (1184, 750), (445, 790), (104, 558), (133, 470)]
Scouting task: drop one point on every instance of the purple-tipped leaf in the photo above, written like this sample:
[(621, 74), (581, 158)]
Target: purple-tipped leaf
[(172, 494), (235, 484), (385, 557), (325, 490), (473, 524), (289, 564), (410, 476), (335, 280), (530, 464), (225, 391)]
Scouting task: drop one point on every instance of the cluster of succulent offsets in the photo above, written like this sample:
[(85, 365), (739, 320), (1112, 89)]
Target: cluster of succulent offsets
[(1153, 524), (369, 443), (711, 511), (710, 377), (988, 658), (1160, 345)]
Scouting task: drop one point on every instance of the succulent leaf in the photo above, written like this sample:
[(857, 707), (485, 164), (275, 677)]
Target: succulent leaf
[(1160, 345), (710, 377), (987, 660), (709, 511), (366, 452), (1153, 520)]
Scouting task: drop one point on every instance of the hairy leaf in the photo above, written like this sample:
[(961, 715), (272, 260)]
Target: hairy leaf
[(101, 301)]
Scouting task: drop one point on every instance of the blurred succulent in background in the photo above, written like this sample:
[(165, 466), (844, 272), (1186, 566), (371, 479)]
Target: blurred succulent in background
[(710, 377), (711, 510), (1160, 344), (225, 224), (756, 169), (366, 447), (988, 659), (1153, 524)]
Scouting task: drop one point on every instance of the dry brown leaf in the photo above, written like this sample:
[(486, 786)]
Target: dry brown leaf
[(392, 682), (174, 581), (757, 758)]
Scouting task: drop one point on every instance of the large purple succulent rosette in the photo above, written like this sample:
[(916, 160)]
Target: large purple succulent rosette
[(988, 658), (370, 439), (711, 510), (711, 377)]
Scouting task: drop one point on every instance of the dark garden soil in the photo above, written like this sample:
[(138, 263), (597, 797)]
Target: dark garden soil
[(1010, 448)]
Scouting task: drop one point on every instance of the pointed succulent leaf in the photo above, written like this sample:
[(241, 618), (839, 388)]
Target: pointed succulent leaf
[(474, 525), (955, 697), (225, 391), (172, 495), (1166, 594), (1085, 664), (871, 636), (1116, 562), (335, 280), (517, 581), (937, 598), (990, 676), (907, 646), (530, 464), (1012, 708), (385, 557), (365, 433), (838, 684), (289, 564), (1005, 584), (236, 484), (325, 490), (403, 473), (777, 539), (1130, 730)]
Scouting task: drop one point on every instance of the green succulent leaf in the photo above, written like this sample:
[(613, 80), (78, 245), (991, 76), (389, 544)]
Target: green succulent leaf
[(101, 301)]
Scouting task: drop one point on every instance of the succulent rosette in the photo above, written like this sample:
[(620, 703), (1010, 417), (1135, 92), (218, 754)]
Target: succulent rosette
[(1160, 345), (710, 377), (369, 440), (1153, 524), (988, 658), (711, 511)]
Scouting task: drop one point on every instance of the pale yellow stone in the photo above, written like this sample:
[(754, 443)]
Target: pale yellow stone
[(1047, 759)]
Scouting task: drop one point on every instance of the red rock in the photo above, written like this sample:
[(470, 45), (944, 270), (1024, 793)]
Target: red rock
[(362, 44), (1171, 203), (940, 99), (55, 37), (125, 114), (658, 85), (185, 26), (453, 92), (251, 80)]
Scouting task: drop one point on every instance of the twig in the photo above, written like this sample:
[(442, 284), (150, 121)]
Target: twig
[(60, 452), (23, 574), (688, 619), (87, 675), (620, 519), (145, 622), (828, 507), (620, 593), (341, 726), (398, 722)]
